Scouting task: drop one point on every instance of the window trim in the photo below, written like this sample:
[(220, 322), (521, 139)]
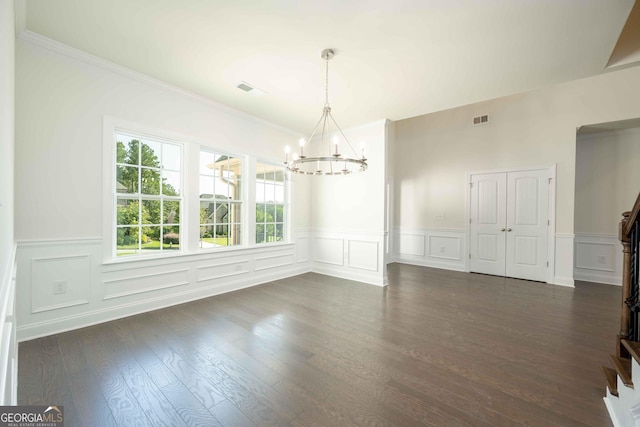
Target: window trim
[(140, 196), (242, 200), (189, 226), (286, 227)]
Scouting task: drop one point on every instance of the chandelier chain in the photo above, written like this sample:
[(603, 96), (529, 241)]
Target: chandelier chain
[(326, 85)]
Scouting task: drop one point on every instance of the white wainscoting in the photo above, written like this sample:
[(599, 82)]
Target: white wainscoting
[(563, 274), (354, 255), (598, 258), (439, 248), (8, 342), (64, 285), (447, 249)]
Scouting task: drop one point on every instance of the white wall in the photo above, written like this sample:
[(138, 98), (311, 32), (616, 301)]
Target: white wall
[(7, 65), (434, 151), (607, 184), (348, 213), (607, 179), (63, 97), (60, 106), (8, 348)]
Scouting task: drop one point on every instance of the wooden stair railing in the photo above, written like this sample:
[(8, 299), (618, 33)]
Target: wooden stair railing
[(628, 339), (629, 230)]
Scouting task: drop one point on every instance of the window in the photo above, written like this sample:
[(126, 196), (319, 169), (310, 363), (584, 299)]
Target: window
[(220, 199), (147, 195), (270, 203)]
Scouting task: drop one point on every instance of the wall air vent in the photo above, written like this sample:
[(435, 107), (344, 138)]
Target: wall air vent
[(481, 120), (244, 86)]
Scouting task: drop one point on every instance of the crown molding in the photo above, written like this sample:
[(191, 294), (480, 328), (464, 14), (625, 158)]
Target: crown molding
[(80, 55)]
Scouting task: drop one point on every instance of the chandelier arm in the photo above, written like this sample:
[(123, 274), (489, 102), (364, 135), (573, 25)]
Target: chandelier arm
[(316, 127), (355, 153)]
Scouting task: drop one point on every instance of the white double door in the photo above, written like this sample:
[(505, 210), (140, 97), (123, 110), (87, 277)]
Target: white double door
[(509, 224)]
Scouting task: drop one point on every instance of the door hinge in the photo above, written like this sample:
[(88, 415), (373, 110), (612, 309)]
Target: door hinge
[(550, 180), (469, 256), (470, 184), (547, 263), (548, 222), (469, 220)]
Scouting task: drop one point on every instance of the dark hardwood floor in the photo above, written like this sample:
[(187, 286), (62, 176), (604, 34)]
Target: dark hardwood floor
[(435, 348)]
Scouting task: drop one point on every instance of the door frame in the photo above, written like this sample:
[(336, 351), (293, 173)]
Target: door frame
[(551, 230)]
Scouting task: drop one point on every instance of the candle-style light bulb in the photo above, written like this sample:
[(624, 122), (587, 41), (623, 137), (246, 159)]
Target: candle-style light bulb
[(302, 142), (335, 143), (287, 149), (362, 149)]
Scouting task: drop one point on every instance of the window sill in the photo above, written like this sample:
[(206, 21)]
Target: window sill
[(200, 253)]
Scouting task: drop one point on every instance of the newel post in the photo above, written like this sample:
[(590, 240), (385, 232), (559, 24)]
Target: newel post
[(626, 284)]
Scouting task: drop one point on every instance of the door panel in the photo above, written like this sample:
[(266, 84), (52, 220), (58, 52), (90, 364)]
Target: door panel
[(508, 231), (488, 198), (527, 215)]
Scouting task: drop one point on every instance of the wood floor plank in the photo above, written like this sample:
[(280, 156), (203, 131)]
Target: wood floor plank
[(188, 407), (433, 348)]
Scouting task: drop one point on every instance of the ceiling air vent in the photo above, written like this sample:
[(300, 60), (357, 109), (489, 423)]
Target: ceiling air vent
[(249, 88), (481, 120)]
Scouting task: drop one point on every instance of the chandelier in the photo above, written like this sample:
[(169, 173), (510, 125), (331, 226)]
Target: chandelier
[(326, 157)]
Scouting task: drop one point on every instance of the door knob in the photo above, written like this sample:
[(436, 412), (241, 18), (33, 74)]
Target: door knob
[(502, 229), (508, 229)]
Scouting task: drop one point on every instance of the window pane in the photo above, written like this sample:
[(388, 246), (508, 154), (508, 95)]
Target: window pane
[(270, 231), (171, 238), (235, 211), (221, 212), (269, 193), (150, 181), (151, 211), (151, 154), (206, 163), (127, 150), (279, 213), (279, 232), (260, 233), (279, 193), (260, 213), (150, 238), (127, 241), (206, 187), (260, 191), (128, 212), (171, 213), (234, 237), (121, 152), (171, 183), (126, 179), (171, 157), (207, 212), (271, 213)]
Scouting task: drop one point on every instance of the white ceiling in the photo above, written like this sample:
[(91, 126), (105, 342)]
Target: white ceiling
[(394, 59)]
